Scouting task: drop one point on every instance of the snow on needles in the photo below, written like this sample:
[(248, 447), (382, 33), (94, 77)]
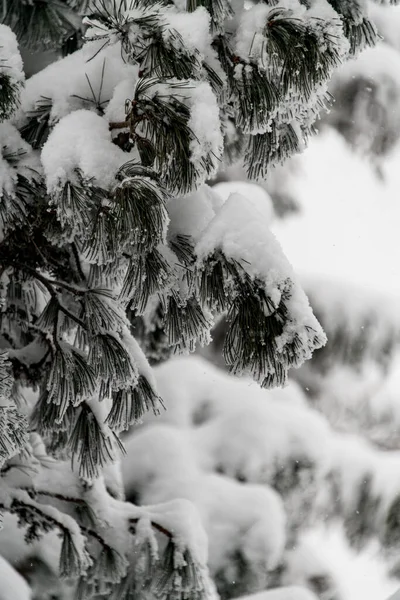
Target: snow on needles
[(86, 75), (81, 140), (240, 230), (12, 146), (10, 58), (205, 124), (193, 28)]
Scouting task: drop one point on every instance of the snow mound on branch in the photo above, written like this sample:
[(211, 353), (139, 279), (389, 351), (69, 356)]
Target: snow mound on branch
[(254, 192), (204, 392), (361, 575), (253, 444), (374, 64), (161, 464), (191, 214), (11, 61), (13, 149), (86, 74), (194, 29), (241, 232), (181, 518), (81, 141), (205, 124)]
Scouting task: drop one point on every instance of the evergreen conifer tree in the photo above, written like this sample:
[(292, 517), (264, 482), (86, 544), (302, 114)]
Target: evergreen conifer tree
[(113, 249)]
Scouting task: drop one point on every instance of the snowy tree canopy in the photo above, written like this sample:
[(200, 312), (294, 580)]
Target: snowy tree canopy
[(114, 250)]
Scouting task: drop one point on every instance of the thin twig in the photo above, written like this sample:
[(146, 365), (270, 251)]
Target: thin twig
[(48, 285), (46, 281)]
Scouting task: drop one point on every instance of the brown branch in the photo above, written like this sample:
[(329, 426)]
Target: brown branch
[(119, 125)]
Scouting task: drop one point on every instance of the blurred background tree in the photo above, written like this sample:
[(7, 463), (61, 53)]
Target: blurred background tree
[(341, 195)]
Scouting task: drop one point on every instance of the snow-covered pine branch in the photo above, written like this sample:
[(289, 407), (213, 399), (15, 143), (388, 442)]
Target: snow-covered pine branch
[(11, 73)]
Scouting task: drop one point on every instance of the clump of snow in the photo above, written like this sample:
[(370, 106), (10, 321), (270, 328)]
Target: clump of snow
[(84, 79), (181, 518), (367, 92), (249, 36), (249, 190), (168, 453), (241, 232), (204, 122), (138, 357), (11, 61), (16, 158), (193, 28), (259, 442), (123, 92), (359, 574), (205, 392), (374, 64), (191, 214), (161, 464), (81, 141)]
